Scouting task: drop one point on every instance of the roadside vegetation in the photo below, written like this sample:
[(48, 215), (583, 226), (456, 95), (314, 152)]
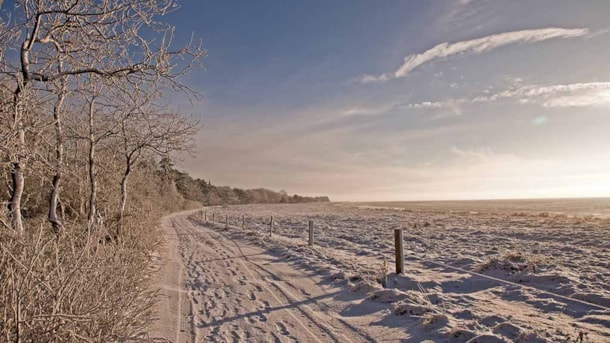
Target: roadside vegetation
[(83, 127)]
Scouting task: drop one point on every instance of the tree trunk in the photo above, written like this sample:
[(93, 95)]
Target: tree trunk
[(17, 178), (59, 153), (123, 198), (14, 204), (92, 182), (82, 187)]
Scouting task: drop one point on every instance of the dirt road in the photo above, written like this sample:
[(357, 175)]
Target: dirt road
[(219, 288)]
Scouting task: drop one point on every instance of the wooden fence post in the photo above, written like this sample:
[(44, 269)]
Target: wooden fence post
[(226, 222), (311, 233), (271, 226), (399, 250), (213, 216), (243, 221), (205, 216)]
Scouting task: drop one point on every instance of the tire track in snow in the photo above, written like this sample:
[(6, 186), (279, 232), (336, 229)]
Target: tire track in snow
[(213, 260)]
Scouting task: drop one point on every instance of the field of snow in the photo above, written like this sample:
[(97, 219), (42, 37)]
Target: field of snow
[(470, 276)]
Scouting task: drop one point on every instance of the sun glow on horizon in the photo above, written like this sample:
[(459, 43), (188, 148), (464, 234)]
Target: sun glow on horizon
[(458, 102)]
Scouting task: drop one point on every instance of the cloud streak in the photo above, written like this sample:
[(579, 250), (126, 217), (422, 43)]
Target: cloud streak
[(570, 95), (372, 110), (591, 94), (476, 46), (485, 44)]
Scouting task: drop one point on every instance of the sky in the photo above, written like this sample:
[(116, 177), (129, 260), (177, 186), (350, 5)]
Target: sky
[(402, 100)]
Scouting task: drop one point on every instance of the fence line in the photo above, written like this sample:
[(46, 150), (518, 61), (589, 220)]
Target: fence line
[(399, 255)]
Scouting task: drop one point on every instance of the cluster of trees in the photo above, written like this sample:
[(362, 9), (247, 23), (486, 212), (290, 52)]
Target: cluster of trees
[(82, 85), (205, 193), (84, 122)]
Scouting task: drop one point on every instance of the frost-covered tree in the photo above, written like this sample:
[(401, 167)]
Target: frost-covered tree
[(49, 45)]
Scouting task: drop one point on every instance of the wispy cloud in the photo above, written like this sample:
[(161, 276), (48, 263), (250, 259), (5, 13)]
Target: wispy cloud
[(475, 46), (367, 78), (373, 110), (485, 44), (481, 154), (430, 104), (358, 111), (569, 95)]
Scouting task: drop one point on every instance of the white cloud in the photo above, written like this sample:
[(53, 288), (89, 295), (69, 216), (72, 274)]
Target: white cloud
[(367, 78), (584, 100), (591, 94), (371, 110), (358, 110), (552, 90), (475, 46), (482, 155), (428, 104), (485, 44), (571, 95)]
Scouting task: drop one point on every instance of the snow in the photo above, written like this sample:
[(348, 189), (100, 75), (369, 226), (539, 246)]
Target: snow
[(473, 276)]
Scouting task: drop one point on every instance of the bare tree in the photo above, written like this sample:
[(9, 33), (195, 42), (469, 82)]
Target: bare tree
[(59, 153), (59, 41), (93, 121), (148, 128), (91, 159)]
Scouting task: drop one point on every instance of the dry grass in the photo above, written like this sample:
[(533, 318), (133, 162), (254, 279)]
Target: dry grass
[(73, 289), (514, 262)]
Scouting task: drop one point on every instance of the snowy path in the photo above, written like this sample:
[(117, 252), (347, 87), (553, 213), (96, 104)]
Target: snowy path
[(240, 285), (219, 289)]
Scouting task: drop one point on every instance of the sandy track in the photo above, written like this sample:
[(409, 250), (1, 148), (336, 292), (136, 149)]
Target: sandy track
[(215, 288)]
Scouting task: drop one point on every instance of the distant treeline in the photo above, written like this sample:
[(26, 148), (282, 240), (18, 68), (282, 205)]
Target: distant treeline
[(207, 194)]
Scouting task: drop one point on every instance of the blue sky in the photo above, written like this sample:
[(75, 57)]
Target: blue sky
[(403, 100)]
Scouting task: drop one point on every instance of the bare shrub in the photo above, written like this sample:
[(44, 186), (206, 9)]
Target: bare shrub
[(513, 262), (76, 288)]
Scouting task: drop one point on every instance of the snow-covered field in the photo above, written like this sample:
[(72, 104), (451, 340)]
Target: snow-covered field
[(470, 276)]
